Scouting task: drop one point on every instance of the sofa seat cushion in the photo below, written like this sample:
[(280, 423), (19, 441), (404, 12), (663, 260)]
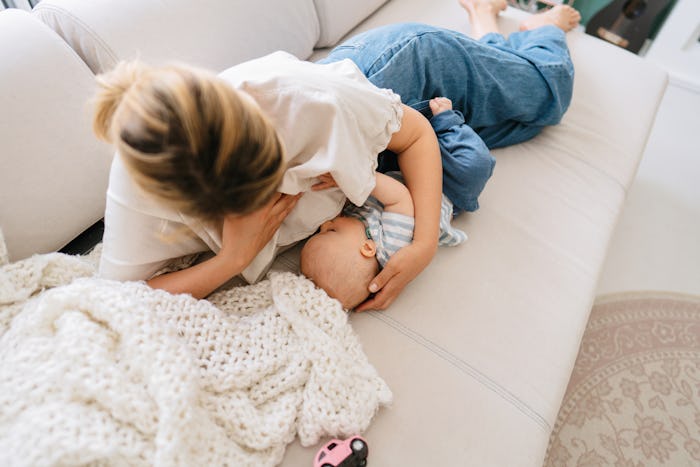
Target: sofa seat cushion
[(52, 169), (214, 34)]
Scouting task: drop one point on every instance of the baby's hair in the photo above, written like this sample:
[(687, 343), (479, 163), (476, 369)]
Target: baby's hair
[(343, 274), (189, 138)]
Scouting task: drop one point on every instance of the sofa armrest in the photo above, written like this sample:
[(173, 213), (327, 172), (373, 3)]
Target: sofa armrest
[(53, 171)]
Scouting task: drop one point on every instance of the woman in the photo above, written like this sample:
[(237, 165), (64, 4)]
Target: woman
[(220, 162)]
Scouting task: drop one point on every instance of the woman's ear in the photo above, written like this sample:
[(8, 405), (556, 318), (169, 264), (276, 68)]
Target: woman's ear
[(368, 248)]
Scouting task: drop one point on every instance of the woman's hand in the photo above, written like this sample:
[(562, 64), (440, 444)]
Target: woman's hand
[(401, 269), (244, 236)]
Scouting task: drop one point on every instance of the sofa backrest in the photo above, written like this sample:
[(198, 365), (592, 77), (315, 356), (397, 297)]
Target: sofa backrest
[(336, 18), (213, 34), (53, 172)]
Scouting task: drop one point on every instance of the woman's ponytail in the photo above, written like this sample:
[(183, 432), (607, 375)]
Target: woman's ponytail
[(112, 86)]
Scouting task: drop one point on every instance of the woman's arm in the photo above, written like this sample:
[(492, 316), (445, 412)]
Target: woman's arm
[(419, 159), (242, 239)]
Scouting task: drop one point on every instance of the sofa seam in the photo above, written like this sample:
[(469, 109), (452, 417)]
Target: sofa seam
[(98, 39), (53, 32), (465, 368)]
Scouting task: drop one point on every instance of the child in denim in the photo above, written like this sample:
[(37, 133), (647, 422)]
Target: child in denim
[(350, 249), (506, 89)]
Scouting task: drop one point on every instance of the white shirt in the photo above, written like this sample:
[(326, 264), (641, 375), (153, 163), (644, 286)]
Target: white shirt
[(329, 117)]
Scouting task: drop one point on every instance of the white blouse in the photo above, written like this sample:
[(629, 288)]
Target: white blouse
[(329, 117)]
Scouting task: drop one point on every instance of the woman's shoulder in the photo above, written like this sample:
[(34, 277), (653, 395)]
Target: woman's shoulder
[(123, 191), (280, 71)]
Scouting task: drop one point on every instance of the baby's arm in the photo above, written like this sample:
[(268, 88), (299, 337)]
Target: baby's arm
[(393, 195)]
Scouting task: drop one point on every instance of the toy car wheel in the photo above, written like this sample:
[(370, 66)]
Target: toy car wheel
[(362, 463), (326, 465), (358, 445)]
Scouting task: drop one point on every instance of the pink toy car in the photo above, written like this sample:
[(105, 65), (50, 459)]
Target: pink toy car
[(351, 452)]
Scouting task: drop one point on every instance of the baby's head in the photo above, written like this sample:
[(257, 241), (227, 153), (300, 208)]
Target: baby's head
[(341, 260)]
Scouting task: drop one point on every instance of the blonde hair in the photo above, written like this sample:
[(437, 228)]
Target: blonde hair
[(344, 274), (189, 138)]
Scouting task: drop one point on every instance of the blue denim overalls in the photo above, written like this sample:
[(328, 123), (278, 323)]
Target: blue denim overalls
[(506, 89)]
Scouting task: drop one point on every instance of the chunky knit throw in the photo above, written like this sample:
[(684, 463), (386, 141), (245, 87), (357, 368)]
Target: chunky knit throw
[(115, 373)]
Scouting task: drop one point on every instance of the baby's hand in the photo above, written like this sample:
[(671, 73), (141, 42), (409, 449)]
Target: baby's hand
[(440, 104), (326, 181)]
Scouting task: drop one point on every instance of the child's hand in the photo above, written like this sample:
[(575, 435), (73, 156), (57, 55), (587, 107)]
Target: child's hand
[(327, 181), (440, 104)]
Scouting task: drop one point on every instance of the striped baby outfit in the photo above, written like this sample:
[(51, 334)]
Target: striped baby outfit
[(391, 231)]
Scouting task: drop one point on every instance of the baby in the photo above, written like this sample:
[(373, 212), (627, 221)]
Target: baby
[(348, 251)]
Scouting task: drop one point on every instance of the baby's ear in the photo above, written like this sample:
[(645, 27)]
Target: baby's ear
[(368, 248)]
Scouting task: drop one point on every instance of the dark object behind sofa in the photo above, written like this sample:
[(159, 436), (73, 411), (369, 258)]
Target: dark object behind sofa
[(86, 241)]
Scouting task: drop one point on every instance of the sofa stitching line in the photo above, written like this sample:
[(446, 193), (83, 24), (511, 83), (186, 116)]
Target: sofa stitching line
[(466, 368), (88, 29)]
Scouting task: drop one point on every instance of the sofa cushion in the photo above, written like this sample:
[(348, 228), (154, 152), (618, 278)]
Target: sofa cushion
[(443, 13), (53, 172), (214, 34), (337, 18)]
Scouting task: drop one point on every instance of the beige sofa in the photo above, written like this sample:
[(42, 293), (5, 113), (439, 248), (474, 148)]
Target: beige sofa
[(478, 349)]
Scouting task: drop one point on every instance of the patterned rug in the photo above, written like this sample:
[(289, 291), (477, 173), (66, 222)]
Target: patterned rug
[(634, 396)]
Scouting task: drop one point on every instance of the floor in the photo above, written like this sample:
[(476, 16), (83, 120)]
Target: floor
[(657, 242), (656, 245)]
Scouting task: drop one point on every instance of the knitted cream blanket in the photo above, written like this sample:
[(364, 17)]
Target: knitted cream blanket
[(96, 371)]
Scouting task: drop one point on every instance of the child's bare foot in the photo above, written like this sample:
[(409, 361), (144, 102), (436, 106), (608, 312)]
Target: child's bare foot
[(562, 16), (482, 15), (495, 5), (439, 105)]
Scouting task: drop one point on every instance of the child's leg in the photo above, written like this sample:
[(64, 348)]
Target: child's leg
[(564, 17), (546, 50), (544, 47), (483, 15), (492, 82)]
